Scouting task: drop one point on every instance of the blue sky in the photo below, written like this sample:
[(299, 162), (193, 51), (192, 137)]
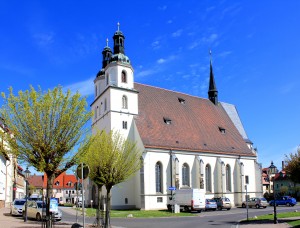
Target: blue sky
[(255, 49)]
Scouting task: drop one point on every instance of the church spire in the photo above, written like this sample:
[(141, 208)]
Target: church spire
[(212, 91), (119, 41), (106, 54)]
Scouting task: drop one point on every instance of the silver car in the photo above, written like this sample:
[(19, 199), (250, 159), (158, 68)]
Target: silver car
[(16, 206), (257, 202), (37, 210)]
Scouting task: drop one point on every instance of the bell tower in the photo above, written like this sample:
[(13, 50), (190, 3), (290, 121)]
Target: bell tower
[(116, 100)]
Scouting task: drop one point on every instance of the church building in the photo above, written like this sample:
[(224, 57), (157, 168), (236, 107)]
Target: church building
[(187, 141)]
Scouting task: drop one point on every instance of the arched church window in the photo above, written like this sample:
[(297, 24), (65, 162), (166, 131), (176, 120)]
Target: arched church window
[(124, 77), (124, 102), (228, 178), (208, 178), (185, 175), (158, 177)]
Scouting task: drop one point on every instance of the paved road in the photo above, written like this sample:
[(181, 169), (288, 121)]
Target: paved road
[(226, 219)]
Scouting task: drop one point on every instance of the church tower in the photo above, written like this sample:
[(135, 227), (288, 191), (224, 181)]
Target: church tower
[(212, 90), (116, 100)]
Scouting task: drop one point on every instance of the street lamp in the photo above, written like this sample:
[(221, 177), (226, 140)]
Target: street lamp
[(26, 173), (273, 170)]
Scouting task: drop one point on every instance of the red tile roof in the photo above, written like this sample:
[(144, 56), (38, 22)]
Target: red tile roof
[(36, 180), (195, 125), (61, 182)]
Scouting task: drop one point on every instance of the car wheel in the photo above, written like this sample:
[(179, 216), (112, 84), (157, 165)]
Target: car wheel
[(243, 205), (265, 207), (186, 208), (228, 209), (288, 204), (214, 209), (38, 217), (257, 206)]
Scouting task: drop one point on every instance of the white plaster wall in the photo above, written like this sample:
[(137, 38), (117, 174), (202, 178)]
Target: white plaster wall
[(2, 176)]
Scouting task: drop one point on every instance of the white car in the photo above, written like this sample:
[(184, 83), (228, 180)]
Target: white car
[(16, 206), (37, 210)]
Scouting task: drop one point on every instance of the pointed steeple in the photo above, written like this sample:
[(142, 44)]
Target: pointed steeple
[(119, 41), (212, 91), (106, 54)]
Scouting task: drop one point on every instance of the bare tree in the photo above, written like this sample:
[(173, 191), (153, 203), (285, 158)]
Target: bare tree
[(111, 160), (46, 126)]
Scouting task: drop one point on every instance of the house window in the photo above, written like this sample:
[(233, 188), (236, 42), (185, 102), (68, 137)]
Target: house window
[(126, 200), (222, 130), (208, 178), (181, 100), (167, 120), (158, 177), (124, 77), (66, 191), (185, 175), (124, 102), (105, 104), (96, 91), (247, 179), (124, 124), (159, 199), (228, 178), (57, 183)]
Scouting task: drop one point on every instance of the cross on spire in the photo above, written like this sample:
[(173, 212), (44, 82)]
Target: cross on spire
[(118, 26), (106, 42)]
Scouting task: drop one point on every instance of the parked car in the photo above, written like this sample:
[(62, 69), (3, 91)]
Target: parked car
[(284, 200), (223, 203), (210, 204), (257, 202), (16, 206), (37, 210)]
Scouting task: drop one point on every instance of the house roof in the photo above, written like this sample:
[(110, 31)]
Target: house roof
[(177, 121), (36, 180), (61, 182)]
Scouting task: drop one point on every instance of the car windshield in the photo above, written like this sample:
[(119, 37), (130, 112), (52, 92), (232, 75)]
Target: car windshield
[(20, 202), (210, 200), (263, 199), (226, 199), (41, 205)]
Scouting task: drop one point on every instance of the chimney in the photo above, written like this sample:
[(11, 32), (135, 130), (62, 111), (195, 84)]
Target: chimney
[(282, 163)]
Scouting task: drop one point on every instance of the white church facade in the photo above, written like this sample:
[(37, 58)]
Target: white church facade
[(187, 141)]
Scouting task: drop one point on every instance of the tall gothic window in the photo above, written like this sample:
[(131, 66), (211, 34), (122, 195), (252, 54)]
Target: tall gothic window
[(208, 178), (185, 175), (124, 102), (158, 177), (228, 178), (124, 77)]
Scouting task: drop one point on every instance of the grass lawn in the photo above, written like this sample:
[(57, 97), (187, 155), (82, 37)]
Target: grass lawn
[(270, 217), (91, 212)]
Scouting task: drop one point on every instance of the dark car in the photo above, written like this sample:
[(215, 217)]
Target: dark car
[(284, 200), (223, 203), (210, 204)]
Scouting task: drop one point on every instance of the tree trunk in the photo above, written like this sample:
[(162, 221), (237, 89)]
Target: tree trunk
[(100, 207), (107, 212), (50, 180)]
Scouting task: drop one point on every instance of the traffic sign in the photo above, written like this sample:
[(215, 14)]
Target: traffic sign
[(172, 188), (86, 171)]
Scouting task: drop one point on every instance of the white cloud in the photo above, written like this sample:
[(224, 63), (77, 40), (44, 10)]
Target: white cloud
[(160, 61), (145, 73), (156, 44), (211, 38), (224, 53), (162, 7), (169, 21), (177, 33), (85, 88), (44, 39)]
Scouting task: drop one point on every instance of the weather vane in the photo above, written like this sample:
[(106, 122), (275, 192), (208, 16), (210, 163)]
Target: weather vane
[(106, 42)]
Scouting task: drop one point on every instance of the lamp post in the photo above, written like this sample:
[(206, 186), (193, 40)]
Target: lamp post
[(273, 170), (26, 173)]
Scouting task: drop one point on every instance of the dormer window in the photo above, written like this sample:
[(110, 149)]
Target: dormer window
[(181, 100), (167, 120), (124, 77), (222, 130), (57, 183)]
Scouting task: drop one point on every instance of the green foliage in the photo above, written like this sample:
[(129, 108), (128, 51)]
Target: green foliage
[(45, 126), (111, 159), (91, 212), (292, 166), (283, 190)]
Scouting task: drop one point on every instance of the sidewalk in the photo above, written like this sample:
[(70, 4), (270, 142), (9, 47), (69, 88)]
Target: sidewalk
[(8, 221)]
